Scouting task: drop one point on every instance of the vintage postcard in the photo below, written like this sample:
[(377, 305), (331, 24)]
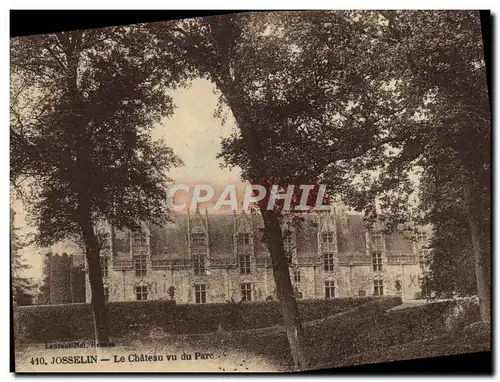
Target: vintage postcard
[(251, 192)]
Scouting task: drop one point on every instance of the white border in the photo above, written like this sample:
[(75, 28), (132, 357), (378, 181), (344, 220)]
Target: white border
[(184, 5)]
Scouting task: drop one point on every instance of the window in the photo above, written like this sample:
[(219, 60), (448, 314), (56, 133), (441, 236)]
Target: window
[(378, 287), (198, 264), (327, 237), (296, 275), (106, 293), (376, 237), (243, 238), (287, 238), (139, 239), (198, 238), (361, 293), (246, 291), (377, 261), (422, 236), (140, 265), (104, 266), (328, 259), (423, 258), (244, 264), (329, 289), (200, 293), (141, 293)]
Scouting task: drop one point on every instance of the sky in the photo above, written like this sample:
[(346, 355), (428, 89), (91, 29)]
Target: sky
[(195, 136)]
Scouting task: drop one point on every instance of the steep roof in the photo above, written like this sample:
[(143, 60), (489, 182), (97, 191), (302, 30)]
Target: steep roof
[(170, 241)]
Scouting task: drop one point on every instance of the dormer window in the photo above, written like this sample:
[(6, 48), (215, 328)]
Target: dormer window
[(140, 265), (245, 265), (422, 236), (327, 237), (104, 266), (423, 258), (243, 238), (198, 239), (376, 237), (377, 261), (198, 264), (139, 239), (329, 262)]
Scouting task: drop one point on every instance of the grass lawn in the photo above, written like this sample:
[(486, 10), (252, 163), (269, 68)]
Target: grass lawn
[(360, 335)]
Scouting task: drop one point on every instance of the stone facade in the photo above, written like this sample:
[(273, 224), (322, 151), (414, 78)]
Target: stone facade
[(202, 258)]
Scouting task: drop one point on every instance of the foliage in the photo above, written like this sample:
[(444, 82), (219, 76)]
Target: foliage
[(82, 106), (462, 313), (451, 255), (442, 92), (22, 287)]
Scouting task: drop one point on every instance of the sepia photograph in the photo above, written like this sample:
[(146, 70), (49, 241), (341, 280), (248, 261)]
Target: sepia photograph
[(254, 191)]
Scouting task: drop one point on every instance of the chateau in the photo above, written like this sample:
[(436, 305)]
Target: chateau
[(203, 258)]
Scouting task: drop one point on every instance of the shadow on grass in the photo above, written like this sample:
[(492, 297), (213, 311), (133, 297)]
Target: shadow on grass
[(366, 334)]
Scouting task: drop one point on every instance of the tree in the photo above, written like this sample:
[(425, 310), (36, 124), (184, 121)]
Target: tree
[(441, 71), (21, 285), (82, 106), (364, 99), (451, 256), (294, 85)]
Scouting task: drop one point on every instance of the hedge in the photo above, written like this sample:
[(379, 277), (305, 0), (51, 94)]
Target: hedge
[(71, 322)]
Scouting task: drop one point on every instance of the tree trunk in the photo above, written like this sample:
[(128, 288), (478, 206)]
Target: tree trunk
[(284, 288), (95, 277), (481, 255)]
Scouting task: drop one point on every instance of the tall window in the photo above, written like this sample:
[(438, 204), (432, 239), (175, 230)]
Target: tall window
[(296, 275), (200, 293), (328, 260), (244, 264), (106, 293), (141, 292), (376, 237), (378, 287), (140, 265), (243, 238), (327, 237), (198, 238), (377, 261), (139, 239), (329, 289), (198, 264), (104, 266), (246, 291), (423, 258)]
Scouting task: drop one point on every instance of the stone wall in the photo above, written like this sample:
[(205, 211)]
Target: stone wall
[(223, 284)]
